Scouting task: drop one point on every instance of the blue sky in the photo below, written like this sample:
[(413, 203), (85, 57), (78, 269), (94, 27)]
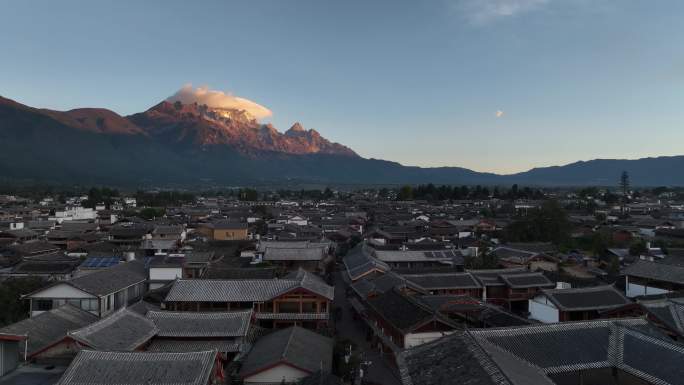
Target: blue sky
[(418, 82)]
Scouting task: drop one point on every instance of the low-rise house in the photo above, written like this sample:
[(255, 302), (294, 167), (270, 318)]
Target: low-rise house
[(18, 235), (49, 270), (225, 332), (45, 332), (159, 246), (74, 213), (294, 244), (197, 263), (447, 283), (135, 368), (359, 263), (375, 285), (293, 258), (620, 352), (34, 249), (79, 227), (40, 226), (164, 233), (9, 352), (300, 299), (514, 257), (382, 237), (400, 322), (472, 312), (163, 269), (511, 288), (667, 314), (127, 235), (124, 330), (227, 272), (560, 305), (100, 293), (649, 277), (420, 258), (224, 231), (287, 356), (71, 240)]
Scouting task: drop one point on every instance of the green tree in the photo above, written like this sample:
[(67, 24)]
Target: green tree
[(405, 193), (12, 308), (637, 248), (152, 212), (549, 223), (249, 195)]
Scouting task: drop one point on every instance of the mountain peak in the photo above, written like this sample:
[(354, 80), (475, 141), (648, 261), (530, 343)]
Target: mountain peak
[(201, 125), (297, 127)]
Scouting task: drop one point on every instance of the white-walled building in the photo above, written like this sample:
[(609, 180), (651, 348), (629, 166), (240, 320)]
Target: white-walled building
[(100, 293), (653, 277)]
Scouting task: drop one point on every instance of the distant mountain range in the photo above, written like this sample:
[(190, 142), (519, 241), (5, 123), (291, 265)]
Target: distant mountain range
[(196, 145)]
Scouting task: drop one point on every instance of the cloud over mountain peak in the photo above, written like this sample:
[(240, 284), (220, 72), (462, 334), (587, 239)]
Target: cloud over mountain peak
[(219, 99)]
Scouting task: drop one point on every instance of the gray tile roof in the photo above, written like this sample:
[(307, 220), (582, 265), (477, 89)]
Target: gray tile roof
[(627, 344), (444, 281), (199, 257), (670, 312), (492, 277), (142, 307), (247, 290), (417, 255), (403, 312), (656, 271), (514, 255), (292, 316), (296, 346), (191, 324), (383, 283), (587, 298), (314, 283), (51, 326), (263, 245), (184, 345), (216, 272), (124, 330), (301, 254), (111, 279), (35, 267), (359, 262), (529, 354), (124, 368), (527, 280), (452, 360), (651, 359), (213, 290), (552, 346)]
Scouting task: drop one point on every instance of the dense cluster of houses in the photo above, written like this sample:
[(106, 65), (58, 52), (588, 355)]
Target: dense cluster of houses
[(223, 291)]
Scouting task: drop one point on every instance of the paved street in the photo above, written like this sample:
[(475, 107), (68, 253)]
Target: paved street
[(380, 371)]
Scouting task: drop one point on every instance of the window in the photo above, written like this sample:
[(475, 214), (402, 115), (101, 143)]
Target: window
[(89, 304), (43, 305)]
